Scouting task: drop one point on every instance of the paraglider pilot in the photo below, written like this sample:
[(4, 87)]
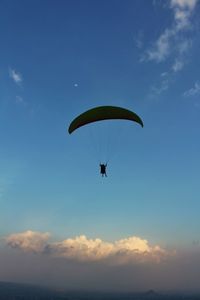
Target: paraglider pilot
[(103, 169)]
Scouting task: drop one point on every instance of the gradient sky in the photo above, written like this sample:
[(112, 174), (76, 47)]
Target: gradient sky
[(60, 58)]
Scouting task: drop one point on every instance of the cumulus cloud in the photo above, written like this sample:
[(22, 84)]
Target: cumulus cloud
[(16, 77), (193, 91), (128, 264), (171, 40), (82, 248), (28, 241), (132, 249), (120, 252)]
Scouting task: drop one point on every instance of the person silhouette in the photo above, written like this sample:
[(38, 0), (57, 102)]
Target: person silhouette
[(103, 169)]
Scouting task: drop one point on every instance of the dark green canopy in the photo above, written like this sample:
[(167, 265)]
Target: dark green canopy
[(103, 113)]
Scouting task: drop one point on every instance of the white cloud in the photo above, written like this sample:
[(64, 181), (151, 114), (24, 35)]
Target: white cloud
[(193, 91), (28, 241), (133, 249), (164, 85), (16, 77), (184, 46), (171, 40), (178, 65), (183, 10), (84, 249), (161, 49), (173, 44), (182, 19), (184, 4)]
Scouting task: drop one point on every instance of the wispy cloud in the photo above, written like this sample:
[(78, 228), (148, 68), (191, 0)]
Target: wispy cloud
[(16, 76), (173, 44), (172, 40), (161, 48), (178, 65), (184, 46), (193, 91), (131, 249), (163, 86), (182, 13), (19, 99), (139, 39)]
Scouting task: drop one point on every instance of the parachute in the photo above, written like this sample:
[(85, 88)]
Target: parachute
[(101, 113)]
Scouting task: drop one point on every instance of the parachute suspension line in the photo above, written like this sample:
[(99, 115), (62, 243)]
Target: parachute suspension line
[(115, 140), (98, 138), (109, 142), (100, 142), (94, 144)]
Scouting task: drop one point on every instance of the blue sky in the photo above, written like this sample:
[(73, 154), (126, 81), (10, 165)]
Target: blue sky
[(60, 58)]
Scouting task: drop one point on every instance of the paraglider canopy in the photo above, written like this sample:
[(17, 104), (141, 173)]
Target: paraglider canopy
[(101, 113)]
